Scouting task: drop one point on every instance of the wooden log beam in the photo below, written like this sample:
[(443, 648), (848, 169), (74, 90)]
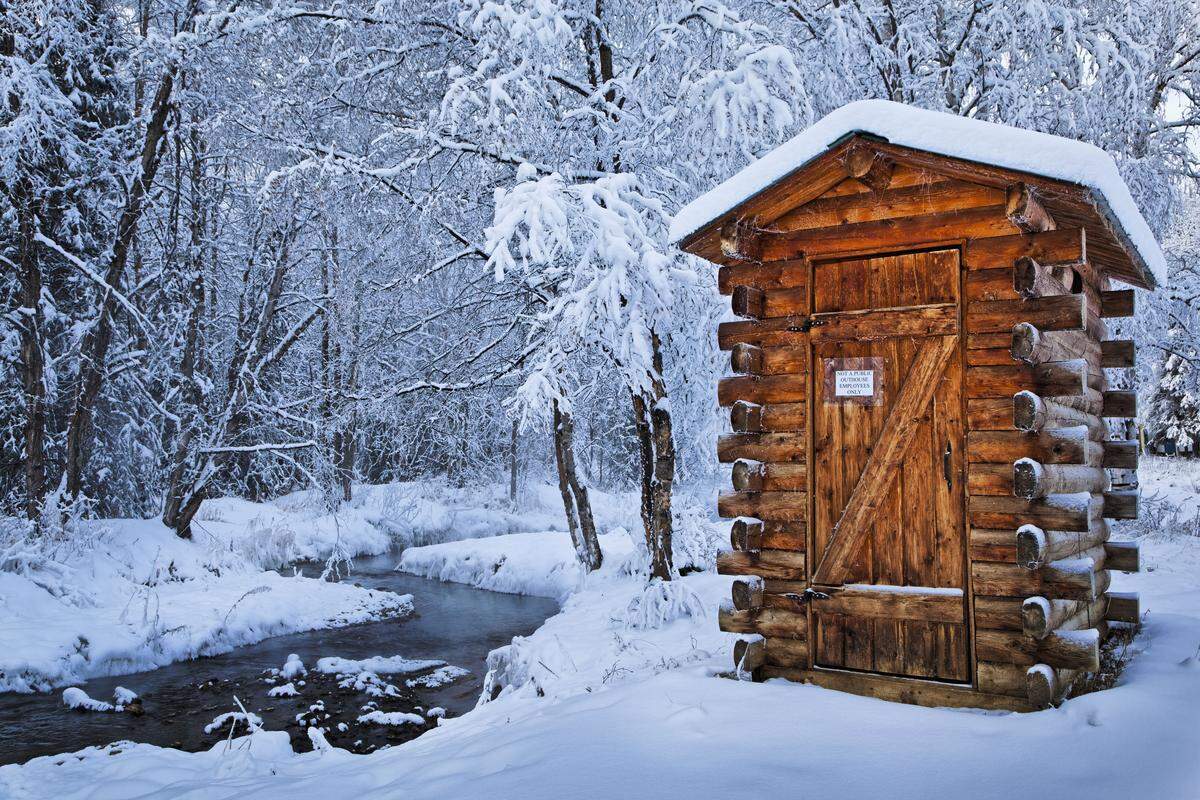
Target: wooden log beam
[(749, 302), (1122, 504), (762, 389), (1025, 211), (1121, 455), (1051, 378), (1060, 579), (1032, 279), (775, 447), (1064, 312), (1037, 547), (1046, 686), (1118, 353), (747, 593), (747, 417), (1073, 649), (1122, 556), (766, 621), (870, 167), (746, 359), (1060, 512), (746, 534), (1047, 447), (783, 652), (784, 565), (748, 655), (789, 505), (750, 359), (741, 240), (1032, 480), (1033, 413), (1065, 245), (1119, 404), (893, 602), (1117, 303), (1041, 616), (866, 325), (747, 475), (1124, 607)]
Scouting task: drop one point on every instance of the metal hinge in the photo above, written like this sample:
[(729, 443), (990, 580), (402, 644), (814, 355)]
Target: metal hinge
[(806, 597)]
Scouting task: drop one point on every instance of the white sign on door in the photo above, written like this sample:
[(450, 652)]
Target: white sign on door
[(854, 383)]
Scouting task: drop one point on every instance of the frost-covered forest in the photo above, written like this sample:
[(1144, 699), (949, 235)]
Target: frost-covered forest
[(254, 247), (321, 313)]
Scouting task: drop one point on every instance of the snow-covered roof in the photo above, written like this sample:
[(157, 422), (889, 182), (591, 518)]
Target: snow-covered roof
[(945, 134)]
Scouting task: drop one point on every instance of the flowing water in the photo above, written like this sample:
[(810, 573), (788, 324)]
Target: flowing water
[(453, 623)]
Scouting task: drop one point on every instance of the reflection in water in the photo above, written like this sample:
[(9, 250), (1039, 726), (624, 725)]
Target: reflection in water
[(454, 623)]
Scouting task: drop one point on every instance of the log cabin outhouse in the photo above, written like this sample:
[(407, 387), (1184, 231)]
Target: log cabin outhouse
[(925, 447)]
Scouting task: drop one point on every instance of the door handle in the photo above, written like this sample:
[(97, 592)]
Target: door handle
[(947, 471)]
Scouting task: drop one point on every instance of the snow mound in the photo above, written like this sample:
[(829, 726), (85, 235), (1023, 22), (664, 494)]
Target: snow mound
[(946, 134), (380, 665), (77, 699), (391, 718), (439, 677)]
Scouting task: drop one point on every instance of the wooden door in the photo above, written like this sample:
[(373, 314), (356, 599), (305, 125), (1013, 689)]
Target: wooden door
[(888, 442)]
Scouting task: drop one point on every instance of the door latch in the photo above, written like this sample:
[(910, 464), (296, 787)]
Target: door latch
[(805, 325), (806, 597)]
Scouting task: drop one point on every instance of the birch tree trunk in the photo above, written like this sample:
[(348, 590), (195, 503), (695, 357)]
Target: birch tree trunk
[(656, 448), (574, 494)]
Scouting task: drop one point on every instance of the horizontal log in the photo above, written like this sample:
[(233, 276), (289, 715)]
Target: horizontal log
[(763, 505), (1036, 547), (1117, 353), (1029, 345), (1041, 616), (773, 564), (1124, 607), (782, 652), (746, 535), (1046, 685), (773, 447), (997, 678), (1117, 303), (1077, 649), (992, 544), (869, 167), (1065, 245), (1121, 504), (1025, 211), (1049, 378), (749, 654), (749, 301), (755, 476), (784, 535), (998, 613), (989, 479), (1065, 312), (747, 417), (1048, 447), (894, 602), (775, 275), (766, 621), (866, 325), (1120, 455), (906, 201), (1031, 278), (747, 475), (747, 593), (741, 240), (1059, 513), (1032, 480), (1122, 556), (1119, 404), (1032, 413), (990, 414), (1059, 579), (762, 389), (749, 359), (887, 233)]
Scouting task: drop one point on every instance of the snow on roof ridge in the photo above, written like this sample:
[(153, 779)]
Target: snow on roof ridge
[(946, 134)]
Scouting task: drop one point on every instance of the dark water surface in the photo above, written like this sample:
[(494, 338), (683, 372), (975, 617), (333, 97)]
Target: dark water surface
[(453, 623)]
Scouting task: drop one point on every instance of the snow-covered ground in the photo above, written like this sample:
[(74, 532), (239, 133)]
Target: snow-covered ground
[(619, 692), (128, 595)]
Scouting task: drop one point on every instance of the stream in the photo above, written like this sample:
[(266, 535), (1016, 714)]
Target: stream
[(454, 623)]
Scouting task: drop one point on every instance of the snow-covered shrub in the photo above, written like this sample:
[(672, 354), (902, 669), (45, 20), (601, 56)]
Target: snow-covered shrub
[(268, 544), (252, 721), (696, 538), (286, 690), (660, 603), (293, 668)]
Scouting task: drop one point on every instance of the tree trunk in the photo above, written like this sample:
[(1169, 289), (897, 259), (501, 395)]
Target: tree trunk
[(93, 353), (574, 493), (32, 362), (656, 448), (512, 465)]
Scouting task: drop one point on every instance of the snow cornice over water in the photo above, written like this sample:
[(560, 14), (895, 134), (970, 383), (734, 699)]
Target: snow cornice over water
[(945, 134)]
